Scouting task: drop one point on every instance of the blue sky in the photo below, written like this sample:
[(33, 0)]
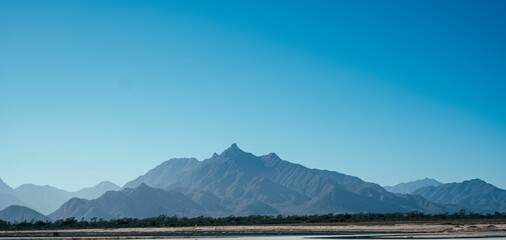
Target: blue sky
[(389, 91)]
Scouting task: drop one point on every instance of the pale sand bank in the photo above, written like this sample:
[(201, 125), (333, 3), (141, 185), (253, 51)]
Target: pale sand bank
[(379, 231)]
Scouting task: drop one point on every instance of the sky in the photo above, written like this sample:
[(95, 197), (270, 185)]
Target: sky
[(389, 91)]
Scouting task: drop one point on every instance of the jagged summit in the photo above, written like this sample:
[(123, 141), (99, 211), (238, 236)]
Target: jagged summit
[(232, 149), (235, 152)]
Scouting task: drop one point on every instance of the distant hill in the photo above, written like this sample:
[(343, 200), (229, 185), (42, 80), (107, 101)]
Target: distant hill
[(46, 199), (473, 195), (140, 202), (17, 213), (96, 191), (239, 183), (410, 187)]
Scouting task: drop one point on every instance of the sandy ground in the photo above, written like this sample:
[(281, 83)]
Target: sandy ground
[(397, 231)]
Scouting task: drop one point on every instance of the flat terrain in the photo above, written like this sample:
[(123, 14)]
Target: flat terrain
[(371, 231)]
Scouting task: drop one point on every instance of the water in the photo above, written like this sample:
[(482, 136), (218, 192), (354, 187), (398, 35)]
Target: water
[(308, 237), (366, 237)]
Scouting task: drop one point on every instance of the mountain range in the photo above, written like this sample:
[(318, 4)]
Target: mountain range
[(239, 183), (236, 182), (46, 199)]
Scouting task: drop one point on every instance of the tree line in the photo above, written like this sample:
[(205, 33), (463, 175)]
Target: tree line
[(176, 221)]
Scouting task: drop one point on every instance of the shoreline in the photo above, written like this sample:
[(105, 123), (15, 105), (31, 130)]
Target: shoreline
[(350, 231)]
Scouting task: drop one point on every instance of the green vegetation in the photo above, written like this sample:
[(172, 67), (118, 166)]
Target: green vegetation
[(175, 221)]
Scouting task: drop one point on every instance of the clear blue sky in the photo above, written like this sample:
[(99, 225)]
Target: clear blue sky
[(389, 91)]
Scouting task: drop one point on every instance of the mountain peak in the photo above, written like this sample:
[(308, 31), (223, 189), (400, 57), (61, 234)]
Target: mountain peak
[(234, 146), (232, 150)]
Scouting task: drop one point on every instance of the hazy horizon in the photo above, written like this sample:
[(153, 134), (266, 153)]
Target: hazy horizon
[(132, 177), (388, 91)]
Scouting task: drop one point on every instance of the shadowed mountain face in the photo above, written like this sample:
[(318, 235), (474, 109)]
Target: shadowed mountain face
[(473, 195), (410, 187), (17, 213)]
